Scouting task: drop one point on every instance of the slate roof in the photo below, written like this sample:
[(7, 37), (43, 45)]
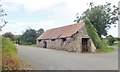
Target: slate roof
[(61, 32)]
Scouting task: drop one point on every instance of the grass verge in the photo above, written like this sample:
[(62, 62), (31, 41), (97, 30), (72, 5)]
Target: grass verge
[(10, 59), (118, 44)]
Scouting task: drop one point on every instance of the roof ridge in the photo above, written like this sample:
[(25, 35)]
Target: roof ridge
[(63, 26), (61, 32)]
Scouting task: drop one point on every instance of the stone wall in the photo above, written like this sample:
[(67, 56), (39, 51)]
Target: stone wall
[(72, 44)]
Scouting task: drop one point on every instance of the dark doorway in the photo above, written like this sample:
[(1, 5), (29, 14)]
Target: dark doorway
[(45, 44), (62, 41), (85, 45)]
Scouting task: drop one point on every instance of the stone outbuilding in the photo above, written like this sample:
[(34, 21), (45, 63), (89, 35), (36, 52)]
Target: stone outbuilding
[(73, 38)]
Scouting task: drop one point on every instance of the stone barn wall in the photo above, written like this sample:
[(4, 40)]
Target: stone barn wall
[(72, 44)]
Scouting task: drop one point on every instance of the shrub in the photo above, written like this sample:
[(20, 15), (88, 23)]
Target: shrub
[(110, 40)]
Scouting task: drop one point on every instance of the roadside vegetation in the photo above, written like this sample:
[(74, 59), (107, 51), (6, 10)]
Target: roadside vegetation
[(118, 44), (0, 52), (110, 40), (10, 59), (100, 44)]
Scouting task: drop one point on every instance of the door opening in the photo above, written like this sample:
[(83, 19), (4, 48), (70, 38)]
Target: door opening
[(85, 45), (45, 44)]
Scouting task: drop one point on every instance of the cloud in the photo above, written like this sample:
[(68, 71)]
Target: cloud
[(30, 5), (20, 27), (37, 5)]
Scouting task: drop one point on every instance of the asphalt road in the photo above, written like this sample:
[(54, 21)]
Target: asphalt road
[(48, 59)]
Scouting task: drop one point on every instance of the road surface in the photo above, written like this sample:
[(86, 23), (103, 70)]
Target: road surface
[(49, 59)]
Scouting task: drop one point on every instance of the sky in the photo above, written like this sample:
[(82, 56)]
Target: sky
[(46, 14)]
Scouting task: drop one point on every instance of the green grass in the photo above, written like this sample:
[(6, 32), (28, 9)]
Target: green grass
[(10, 59), (118, 44), (107, 49), (0, 53), (8, 47)]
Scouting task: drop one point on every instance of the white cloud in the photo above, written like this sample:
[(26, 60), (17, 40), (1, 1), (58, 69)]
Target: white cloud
[(30, 5), (20, 27), (37, 5)]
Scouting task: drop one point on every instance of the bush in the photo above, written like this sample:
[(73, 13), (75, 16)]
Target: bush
[(92, 32), (110, 40)]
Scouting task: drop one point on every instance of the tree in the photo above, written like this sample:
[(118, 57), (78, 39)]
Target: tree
[(39, 32), (9, 35), (101, 17), (17, 39), (29, 36), (2, 21)]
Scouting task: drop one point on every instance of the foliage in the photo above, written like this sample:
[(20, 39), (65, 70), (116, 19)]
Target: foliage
[(17, 39), (29, 36), (2, 14), (9, 35), (0, 53), (101, 17), (118, 44), (8, 46), (39, 32), (110, 39), (92, 32), (10, 59)]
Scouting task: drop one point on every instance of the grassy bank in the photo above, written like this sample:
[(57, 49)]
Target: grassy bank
[(119, 44), (0, 53), (10, 59)]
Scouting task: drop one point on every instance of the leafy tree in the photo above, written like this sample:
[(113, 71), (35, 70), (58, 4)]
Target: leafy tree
[(101, 17), (29, 36), (39, 32), (17, 39), (2, 21), (9, 35), (110, 39)]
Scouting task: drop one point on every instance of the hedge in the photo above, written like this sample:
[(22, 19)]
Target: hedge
[(92, 32)]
